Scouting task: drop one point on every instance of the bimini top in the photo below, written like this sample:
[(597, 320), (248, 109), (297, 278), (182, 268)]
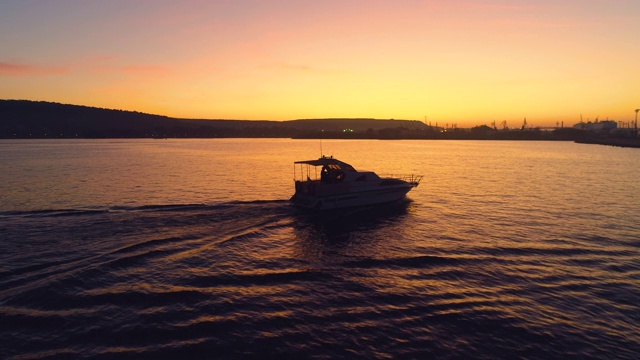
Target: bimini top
[(328, 161)]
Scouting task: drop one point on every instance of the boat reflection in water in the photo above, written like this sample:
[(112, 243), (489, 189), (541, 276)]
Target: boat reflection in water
[(336, 238), (342, 186)]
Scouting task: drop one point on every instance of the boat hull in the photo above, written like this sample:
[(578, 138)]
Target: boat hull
[(351, 199)]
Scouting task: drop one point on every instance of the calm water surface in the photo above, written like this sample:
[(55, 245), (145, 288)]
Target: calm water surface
[(188, 248)]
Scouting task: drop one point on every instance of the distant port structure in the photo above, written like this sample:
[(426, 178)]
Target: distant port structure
[(609, 132)]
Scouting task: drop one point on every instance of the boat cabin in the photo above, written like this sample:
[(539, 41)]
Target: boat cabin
[(329, 171)]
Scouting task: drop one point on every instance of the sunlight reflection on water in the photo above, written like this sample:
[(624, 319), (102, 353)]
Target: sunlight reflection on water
[(146, 248)]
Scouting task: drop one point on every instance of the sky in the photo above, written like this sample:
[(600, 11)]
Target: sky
[(463, 62)]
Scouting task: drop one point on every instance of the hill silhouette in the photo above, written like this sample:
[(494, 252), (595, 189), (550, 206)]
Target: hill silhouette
[(39, 119), (24, 119)]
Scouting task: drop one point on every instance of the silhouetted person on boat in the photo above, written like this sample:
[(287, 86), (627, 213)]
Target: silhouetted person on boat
[(331, 176)]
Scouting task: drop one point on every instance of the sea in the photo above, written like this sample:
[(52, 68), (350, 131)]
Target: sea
[(189, 249)]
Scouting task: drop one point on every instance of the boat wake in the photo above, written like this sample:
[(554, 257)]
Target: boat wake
[(205, 280)]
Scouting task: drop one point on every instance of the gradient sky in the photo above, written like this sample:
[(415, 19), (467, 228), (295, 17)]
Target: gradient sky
[(468, 62)]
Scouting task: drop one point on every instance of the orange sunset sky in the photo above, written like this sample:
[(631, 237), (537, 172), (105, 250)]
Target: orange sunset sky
[(468, 62)]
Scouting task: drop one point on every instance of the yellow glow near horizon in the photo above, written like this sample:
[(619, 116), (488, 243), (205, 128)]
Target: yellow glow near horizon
[(462, 61)]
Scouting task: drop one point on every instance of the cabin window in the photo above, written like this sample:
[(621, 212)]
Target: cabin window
[(331, 174)]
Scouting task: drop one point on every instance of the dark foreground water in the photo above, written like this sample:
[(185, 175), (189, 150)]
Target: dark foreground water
[(189, 249)]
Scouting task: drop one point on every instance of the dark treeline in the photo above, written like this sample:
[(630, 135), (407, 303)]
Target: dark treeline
[(22, 119), (31, 119), (432, 133)]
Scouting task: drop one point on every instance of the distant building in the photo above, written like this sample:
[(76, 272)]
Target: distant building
[(599, 126)]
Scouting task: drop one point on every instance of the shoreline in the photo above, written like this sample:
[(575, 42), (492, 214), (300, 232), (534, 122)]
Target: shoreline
[(618, 142)]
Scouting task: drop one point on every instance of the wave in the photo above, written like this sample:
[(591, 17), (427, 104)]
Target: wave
[(263, 278), (39, 213), (52, 212), (405, 262), (150, 280)]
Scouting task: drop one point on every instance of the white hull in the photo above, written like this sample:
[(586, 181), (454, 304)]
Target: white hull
[(342, 186), (362, 198)]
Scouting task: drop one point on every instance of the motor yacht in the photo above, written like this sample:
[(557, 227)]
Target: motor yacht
[(328, 183)]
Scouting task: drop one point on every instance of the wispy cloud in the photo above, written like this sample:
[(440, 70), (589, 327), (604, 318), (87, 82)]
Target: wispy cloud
[(104, 65), (114, 65), (17, 69)]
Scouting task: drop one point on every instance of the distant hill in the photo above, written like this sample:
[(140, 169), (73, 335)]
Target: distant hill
[(358, 125), (23, 119), (39, 119)]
